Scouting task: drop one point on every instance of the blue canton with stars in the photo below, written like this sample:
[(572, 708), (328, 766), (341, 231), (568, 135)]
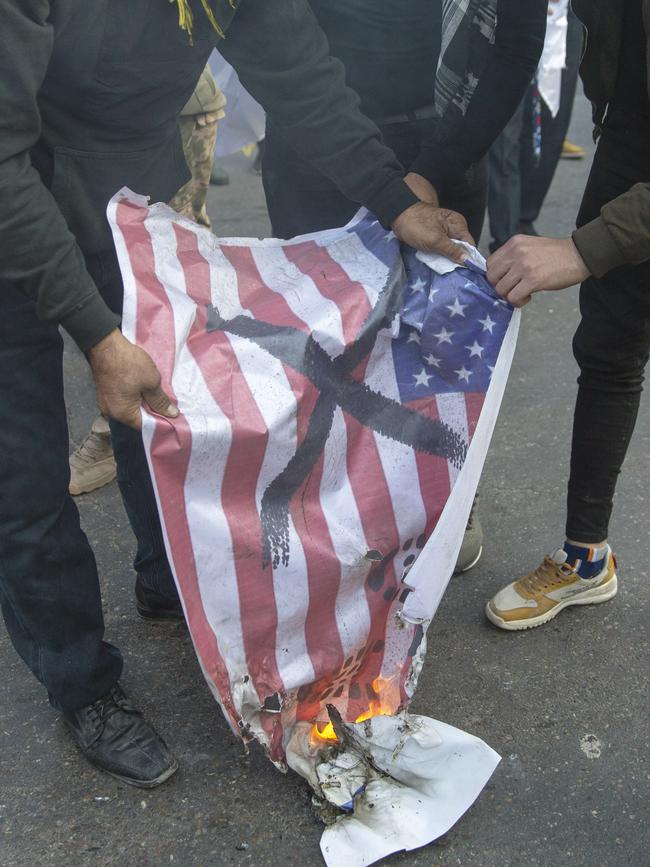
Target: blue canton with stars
[(452, 327)]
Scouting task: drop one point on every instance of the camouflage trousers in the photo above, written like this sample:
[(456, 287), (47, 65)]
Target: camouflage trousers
[(199, 135)]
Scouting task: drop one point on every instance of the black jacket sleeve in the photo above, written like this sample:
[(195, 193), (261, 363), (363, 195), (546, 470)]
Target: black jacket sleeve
[(38, 254), (513, 59), (282, 57)]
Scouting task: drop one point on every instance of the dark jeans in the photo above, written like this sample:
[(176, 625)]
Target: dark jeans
[(300, 200), (536, 179), (518, 185), (612, 343), (49, 588), (504, 203)]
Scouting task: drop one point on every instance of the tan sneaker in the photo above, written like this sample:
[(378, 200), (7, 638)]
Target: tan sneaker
[(92, 464), (540, 596), (572, 151), (472, 547)]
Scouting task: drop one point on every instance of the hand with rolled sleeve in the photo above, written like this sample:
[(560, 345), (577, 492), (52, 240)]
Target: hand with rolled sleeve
[(619, 236), (525, 265)]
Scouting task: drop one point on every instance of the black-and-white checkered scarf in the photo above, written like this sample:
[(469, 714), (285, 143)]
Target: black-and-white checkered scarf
[(468, 28)]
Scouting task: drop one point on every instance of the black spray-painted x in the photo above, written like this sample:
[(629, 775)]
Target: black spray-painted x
[(332, 378)]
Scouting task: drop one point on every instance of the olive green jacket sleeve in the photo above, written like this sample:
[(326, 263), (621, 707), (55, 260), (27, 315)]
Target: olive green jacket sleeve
[(38, 253), (620, 235)]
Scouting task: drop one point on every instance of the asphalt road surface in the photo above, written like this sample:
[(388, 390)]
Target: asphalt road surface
[(566, 705)]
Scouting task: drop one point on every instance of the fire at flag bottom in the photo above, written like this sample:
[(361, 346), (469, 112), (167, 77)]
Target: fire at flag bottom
[(338, 393)]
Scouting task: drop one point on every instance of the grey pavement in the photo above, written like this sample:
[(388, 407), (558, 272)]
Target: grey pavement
[(565, 705)]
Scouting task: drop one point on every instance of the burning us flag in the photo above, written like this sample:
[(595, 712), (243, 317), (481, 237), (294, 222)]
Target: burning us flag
[(338, 395)]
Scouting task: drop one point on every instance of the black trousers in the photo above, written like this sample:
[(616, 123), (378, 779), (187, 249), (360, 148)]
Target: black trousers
[(536, 179), (301, 200), (612, 343), (518, 185), (49, 588)]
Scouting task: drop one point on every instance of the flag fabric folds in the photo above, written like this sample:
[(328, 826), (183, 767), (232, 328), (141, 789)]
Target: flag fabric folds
[(337, 396)]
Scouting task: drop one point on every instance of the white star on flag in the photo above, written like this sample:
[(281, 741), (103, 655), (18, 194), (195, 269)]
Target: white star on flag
[(422, 378), (418, 286), (487, 323), (456, 309), (475, 350), (463, 373), (432, 361), (443, 336), (414, 337), (433, 293)]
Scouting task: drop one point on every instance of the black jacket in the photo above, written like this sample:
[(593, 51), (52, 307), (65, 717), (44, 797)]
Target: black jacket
[(503, 69), (604, 22), (89, 98), (621, 234)]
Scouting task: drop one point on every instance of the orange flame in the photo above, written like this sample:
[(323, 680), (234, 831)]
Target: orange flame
[(387, 690), (325, 734)]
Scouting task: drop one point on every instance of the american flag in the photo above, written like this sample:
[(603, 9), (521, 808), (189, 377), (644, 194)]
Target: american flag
[(330, 387)]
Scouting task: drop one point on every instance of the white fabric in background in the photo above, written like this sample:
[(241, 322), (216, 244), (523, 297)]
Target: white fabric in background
[(245, 120), (553, 60)]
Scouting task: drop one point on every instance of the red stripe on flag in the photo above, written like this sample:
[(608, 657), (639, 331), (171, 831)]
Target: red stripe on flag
[(375, 506), (196, 269), (474, 401), (323, 568), (264, 303), (214, 354), (333, 283), (171, 442)]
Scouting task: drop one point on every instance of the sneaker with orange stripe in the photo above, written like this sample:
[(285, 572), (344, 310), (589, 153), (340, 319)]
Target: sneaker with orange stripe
[(539, 596)]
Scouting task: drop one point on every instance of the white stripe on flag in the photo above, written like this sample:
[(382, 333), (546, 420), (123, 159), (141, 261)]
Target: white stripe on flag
[(400, 468), (397, 460), (275, 400), (202, 491), (171, 276), (348, 539), (321, 315), (223, 278), (361, 266)]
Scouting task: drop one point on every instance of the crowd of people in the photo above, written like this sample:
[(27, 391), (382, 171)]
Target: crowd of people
[(430, 114)]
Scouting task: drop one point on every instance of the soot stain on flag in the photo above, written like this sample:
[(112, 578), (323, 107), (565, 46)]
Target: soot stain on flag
[(337, 387)]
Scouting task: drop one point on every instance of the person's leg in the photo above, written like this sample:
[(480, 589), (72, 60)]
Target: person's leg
[(49, 589), (134, 480), (504, 197), (92, 464), (133, 476), (611, 346), (536, 180)]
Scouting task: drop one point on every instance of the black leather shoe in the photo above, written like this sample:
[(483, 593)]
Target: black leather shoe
[(155, 608), (113, 735)]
